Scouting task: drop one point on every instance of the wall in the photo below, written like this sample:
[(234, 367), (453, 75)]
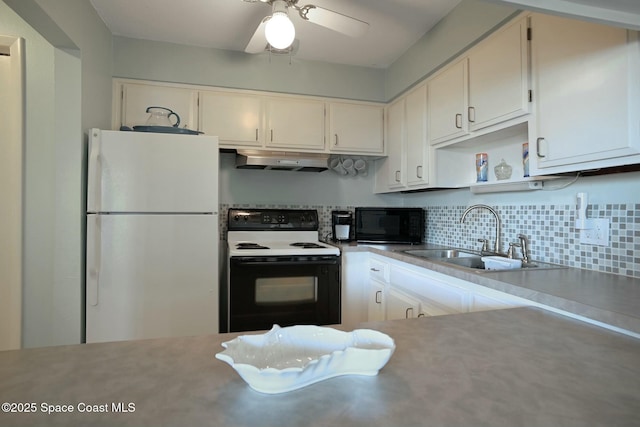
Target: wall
[(68, 89), (83, 26), (547, 218), (168, 62), (323, 191), (464, 26)]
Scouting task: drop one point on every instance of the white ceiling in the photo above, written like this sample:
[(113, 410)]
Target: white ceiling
[(229, 24), (395, 25)]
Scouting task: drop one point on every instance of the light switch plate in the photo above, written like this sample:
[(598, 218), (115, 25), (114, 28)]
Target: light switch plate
[(598, 234)]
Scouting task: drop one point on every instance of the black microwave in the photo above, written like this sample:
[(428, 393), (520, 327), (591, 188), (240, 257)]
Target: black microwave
[(389, 225)]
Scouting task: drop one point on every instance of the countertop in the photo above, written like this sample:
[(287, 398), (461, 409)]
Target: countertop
[(601, 297), (515, 367)]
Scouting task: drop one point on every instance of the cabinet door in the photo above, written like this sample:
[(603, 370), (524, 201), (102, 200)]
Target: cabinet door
[(480, 302), (137, 97), (234, 118), (586, 94), (376, 301), (435, 293), (448, 103), (401, 306), (295, 123), (498, 77), (356, 128), (396, 173), (416, 130)]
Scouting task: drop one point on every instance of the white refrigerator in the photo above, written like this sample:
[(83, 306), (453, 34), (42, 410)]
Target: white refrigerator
[(152, 235)]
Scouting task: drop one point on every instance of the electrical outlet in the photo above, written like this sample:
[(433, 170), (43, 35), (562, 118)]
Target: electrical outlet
[(598, 234)]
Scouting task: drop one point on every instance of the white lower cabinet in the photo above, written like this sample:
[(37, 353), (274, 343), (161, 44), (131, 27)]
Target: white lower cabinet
[(378, 279), (483, 302), (401, 305), (376, 301), (398, 290)]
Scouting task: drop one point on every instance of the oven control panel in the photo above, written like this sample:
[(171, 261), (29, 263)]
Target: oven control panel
[(273, 219)]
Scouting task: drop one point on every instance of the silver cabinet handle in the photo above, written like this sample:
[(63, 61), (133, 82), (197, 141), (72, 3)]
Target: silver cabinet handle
[(397, 176), (421, 315), (374, 269), (419, 171), (336, 135), (256, 134), (406, 313), (378, 293), (459, 121), (471, 112), (538, 147), (271, 135)]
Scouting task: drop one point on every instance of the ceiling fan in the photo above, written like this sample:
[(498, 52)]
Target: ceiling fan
[(277, 31)]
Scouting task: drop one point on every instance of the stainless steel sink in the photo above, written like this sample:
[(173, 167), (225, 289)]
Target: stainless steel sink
[(440, 253), (471, 260), (476, 263)]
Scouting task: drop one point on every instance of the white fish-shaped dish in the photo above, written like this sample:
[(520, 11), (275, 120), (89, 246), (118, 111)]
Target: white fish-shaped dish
[(286, 359)]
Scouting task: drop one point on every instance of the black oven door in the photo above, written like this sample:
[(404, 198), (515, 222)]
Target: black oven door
[(283, 290)]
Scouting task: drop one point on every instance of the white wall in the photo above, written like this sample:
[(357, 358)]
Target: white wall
[(168, 62), (464, 26), (240, 186), (614, 188), (68, 88)]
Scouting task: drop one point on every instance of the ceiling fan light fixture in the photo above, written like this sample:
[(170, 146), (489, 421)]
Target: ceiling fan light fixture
[(279, 29)]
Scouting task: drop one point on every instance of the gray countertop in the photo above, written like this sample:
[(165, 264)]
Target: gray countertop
[(515, 367), (608, 298)]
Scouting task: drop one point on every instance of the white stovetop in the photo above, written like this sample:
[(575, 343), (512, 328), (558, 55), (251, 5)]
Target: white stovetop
[(278, 242)]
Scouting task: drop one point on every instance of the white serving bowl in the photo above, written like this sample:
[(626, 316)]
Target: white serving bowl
[(290, 358)]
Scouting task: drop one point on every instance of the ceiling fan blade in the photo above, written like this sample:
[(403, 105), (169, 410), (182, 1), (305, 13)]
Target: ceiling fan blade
[(333, 20), (258, 41)]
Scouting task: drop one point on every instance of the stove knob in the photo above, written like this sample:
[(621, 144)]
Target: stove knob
[(236, 218)]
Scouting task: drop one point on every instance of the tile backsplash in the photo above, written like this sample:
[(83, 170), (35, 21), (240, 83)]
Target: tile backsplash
[(551, 233), (550, 229)]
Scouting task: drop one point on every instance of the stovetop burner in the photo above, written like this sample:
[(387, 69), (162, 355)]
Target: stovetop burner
[(306, 245), (250, 245), (275, 232)]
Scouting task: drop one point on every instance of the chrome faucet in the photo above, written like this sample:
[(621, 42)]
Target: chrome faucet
[(496, 247), (524, 245)]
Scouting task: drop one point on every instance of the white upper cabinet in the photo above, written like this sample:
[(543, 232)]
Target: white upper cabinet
[(253, 119), (407, 163), (586, 93), (487, 87), (416, 130), (396, 141), (356, 128), (499, 78), (294, 123), (448, 103), (235, 118), (135, 98)]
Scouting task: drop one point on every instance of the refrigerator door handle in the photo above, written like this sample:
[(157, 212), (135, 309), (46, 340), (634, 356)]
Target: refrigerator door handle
[(94, 257), (95, 174)]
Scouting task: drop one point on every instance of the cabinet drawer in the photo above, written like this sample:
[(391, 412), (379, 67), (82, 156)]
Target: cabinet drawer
[(379, 270)]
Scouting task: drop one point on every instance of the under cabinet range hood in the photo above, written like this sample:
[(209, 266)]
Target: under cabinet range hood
[(281, 160)]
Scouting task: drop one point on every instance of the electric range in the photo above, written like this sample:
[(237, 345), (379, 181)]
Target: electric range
[(278, 271)]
